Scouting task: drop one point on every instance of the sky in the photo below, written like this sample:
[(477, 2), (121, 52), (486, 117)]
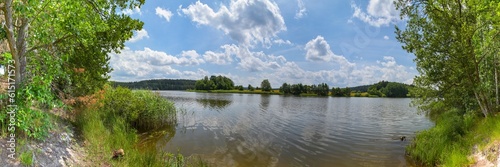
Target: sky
[(338, 42)]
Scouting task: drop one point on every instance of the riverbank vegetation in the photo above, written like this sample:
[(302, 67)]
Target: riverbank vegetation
[(456, 46), (57, 58), (111, 121)]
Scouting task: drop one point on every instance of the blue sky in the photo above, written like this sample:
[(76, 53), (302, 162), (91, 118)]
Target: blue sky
[(341, 43)]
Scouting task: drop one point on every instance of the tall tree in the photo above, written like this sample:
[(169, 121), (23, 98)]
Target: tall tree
[(265, 85), (49, 39), (454, 43)]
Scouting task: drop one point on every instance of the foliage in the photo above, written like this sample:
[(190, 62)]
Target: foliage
[(33, 123), (455, 44), (158, 84), (26, 158), (322, 89), (265, 85), (214, 83), (250, 87), (449, 142), (141, 109), (60, 49), (389, 89), (113, 123), (341, 92), (298, 89)]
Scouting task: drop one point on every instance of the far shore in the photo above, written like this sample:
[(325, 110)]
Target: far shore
[(276, 92)]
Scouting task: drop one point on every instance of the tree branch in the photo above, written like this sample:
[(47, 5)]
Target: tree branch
[(50, 44), (96, 8)]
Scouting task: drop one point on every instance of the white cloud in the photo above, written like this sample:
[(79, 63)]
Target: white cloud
[(136, 10), (380, 13), (319, 50), (148, 64), (282, 42), (248, 60), (388, 70), (246, 21), (141, 34), (164, 13), (302, 10), (386, 37)]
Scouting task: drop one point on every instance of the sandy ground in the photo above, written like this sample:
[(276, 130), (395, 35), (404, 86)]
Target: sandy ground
[(489, 156)]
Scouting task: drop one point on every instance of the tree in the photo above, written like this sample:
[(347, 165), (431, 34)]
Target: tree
[(250, 87), (265, 85), (322, 89), (63, 43), (454, 43), (285, 88), (215, 83)]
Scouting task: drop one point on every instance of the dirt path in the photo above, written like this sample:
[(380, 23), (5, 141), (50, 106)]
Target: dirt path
[(60, 148)]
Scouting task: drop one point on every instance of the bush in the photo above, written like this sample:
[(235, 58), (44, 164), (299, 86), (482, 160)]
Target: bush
[(141, 109), (113, 122), (446, 143)]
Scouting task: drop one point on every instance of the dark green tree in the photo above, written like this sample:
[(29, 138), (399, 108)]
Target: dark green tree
[(265, 85), (250, 87)]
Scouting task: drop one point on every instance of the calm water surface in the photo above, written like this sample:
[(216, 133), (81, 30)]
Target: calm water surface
[(272, 130)]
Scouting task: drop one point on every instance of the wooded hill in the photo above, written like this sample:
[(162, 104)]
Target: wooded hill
[(158, 84)]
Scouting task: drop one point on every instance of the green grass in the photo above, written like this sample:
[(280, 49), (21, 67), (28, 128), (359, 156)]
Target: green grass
[(26, 158), (451, 141), (113, 122)]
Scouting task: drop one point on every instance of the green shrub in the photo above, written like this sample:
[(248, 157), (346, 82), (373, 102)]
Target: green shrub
[(448, 143), (141, 109), (113, 123), (33, 123)]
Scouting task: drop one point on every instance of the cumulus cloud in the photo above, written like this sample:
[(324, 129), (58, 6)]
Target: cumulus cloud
[(148, 63), (380, 13), (302, 10), (319, 50), (245, 21), (248, 60), (164, 13), (136, 10), (387, 69), (386, 37), (141, 34)]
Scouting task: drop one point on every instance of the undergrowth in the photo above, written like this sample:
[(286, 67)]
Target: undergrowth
[(113, 121), (451, 141)]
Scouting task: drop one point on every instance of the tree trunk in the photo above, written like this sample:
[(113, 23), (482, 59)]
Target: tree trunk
[(481, 105), (17, 46), (496, 84), (22, 35), (11, 41)]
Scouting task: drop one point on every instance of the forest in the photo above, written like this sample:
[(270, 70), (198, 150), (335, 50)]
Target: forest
[(158, 84)]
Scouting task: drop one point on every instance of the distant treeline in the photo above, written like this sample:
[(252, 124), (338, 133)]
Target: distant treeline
[(158, 84), (380, 89)]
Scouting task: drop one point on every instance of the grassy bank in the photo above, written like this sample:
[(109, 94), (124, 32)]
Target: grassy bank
[(451, 141), (112, 123)]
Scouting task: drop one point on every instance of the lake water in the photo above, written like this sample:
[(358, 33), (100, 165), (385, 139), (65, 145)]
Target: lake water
[(273, 130)]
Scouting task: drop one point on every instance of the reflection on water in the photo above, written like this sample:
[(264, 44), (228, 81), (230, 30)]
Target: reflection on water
[(214, 104), (271, 130)]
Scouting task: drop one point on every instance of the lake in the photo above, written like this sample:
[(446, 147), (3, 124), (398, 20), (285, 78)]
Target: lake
[(273, 130)]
